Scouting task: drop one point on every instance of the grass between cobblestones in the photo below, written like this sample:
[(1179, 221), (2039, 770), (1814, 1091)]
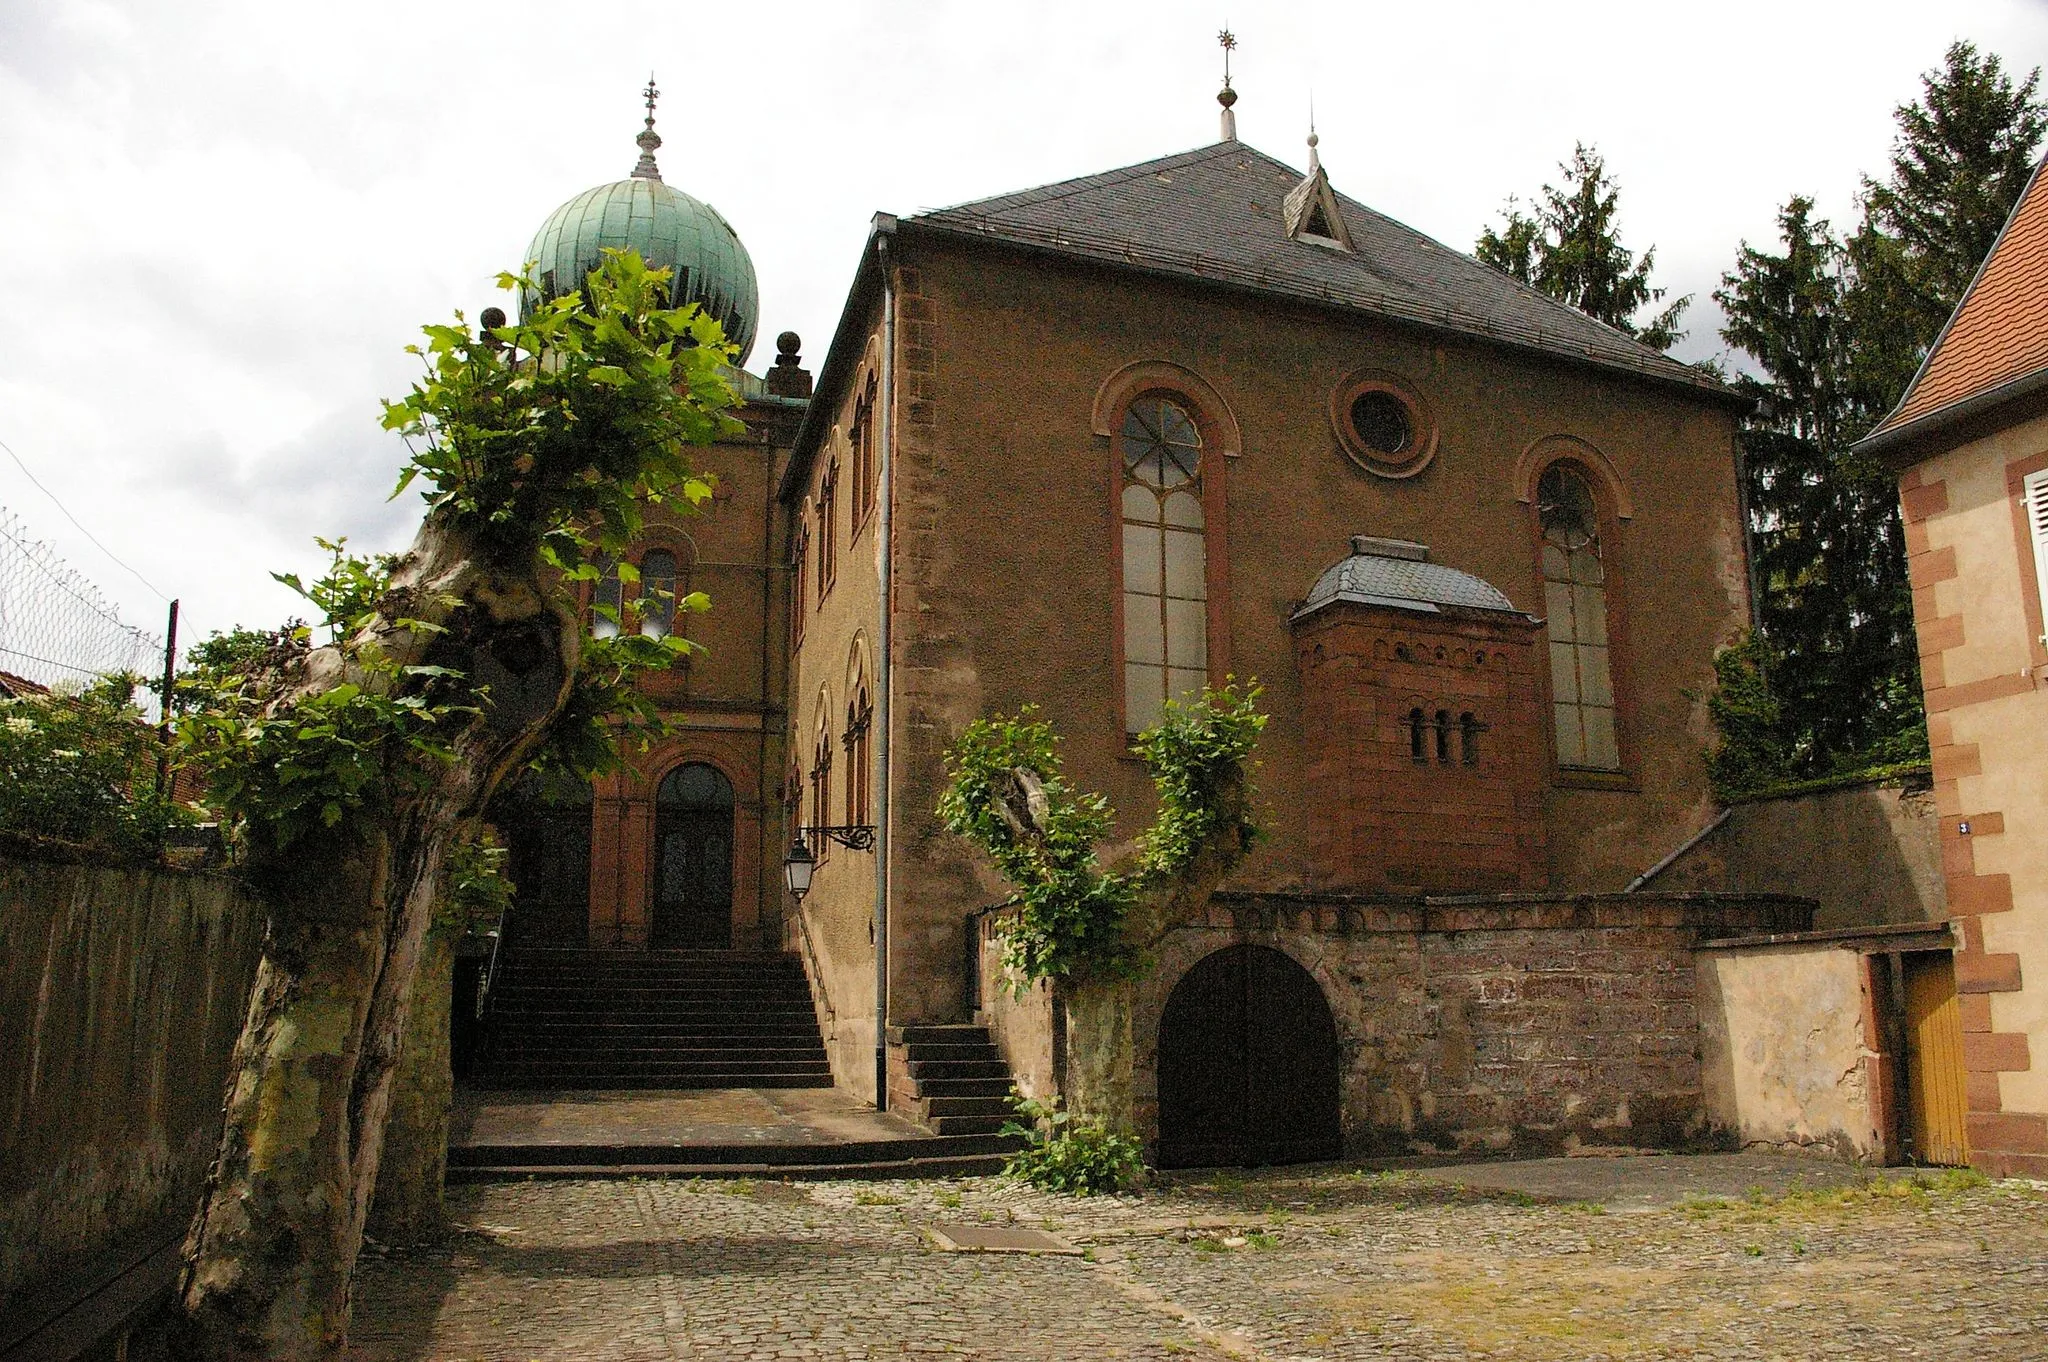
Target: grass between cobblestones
[(1285, 1264)]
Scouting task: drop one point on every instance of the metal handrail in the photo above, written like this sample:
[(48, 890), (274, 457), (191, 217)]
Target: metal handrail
[(811, 958), (485, 985)]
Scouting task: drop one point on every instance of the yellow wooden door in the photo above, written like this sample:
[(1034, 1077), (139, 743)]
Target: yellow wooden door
[(1934, 1060)]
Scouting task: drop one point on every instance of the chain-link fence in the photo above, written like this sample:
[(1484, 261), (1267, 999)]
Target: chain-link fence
[(57, 632)]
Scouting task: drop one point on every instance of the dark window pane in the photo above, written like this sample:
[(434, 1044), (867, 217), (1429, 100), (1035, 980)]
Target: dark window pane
[(1381, 422)]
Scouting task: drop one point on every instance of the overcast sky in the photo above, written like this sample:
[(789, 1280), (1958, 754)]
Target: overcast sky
[(221, 222)]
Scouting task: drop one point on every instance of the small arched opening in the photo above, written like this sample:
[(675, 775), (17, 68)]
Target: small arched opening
[(1248, 1065), (693, 836)]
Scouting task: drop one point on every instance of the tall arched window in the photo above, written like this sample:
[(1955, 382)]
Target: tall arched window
[(607, 602), (1165, 559), (1575, 583), (658, 593), (828, 528), (860, 717), (864, 453), (800, 567), (821, 777)]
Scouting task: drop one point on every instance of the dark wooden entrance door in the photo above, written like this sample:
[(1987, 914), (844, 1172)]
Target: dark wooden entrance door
[(693, 860), (546, 824), (1247, 1065)]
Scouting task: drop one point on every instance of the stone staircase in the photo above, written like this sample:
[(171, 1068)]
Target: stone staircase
[(565, 1018), (950, 1079)]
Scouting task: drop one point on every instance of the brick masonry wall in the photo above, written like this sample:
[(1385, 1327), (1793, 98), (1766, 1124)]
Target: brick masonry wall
[(1387, 819), (1004, 537)]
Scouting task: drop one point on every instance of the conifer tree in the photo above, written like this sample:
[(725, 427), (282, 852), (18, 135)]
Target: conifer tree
[(1962, 157), (1836, 329), (1836, 611), (1570, 248)]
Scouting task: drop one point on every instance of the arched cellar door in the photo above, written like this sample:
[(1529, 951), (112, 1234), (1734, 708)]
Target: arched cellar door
[(693, 860), (1247, 1065)]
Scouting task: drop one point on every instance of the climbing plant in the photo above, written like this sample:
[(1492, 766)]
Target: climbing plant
[(1008, 793)]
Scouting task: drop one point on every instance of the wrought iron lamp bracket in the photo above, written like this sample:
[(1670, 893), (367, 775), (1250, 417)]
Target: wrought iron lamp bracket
[(852, 836)]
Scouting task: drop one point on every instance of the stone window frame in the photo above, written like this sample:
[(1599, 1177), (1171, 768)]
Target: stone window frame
[(1221, 446), (862, 453), (1616, 511), (2031, 569), (858, 738), (821, 773), (1423, 429), (676, 544), (799, 577), (828, 528)]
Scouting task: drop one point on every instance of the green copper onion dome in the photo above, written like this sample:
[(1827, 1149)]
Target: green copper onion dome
[(667, 227)]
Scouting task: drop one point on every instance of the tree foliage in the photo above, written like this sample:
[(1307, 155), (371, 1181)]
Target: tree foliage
[(1568, 245), (1008, 793), (1833, 329), (352, 767), (80, 769)]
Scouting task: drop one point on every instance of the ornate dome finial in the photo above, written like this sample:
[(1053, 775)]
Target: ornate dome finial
[(649, 140)]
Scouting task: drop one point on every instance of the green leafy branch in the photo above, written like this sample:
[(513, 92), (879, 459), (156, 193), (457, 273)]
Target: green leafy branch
[(1007, 792)]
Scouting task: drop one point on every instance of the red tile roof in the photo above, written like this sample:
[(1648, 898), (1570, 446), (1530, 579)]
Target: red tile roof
[(1999, 332)]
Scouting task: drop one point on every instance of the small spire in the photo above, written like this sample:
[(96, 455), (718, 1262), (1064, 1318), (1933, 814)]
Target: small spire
[(1227, 96), (649, 140), (1315, 162)]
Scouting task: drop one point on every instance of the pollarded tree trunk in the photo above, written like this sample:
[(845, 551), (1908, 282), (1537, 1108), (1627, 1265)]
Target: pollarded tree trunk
[(274, 1243), (407, 1206), (1101, 1041)]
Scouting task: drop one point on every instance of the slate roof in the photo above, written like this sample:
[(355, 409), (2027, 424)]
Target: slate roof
[(1215, 214), (1396, 573), (1998, 336)]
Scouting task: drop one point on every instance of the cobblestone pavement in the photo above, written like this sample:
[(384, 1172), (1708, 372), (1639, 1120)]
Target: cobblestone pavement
[(1283, 1265)]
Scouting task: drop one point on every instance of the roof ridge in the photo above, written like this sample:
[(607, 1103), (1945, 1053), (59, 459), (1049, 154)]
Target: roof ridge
[(1200, 212), (1067, 188)]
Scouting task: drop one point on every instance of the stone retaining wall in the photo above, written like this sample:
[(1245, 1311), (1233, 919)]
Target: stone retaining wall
[(1522, 1023), (122, 992)]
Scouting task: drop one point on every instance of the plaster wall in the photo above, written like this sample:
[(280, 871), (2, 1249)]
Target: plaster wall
[(1788, 1054), (1870, 855), (122, 993), (836, 644), (1005, 586), (1977, 610)]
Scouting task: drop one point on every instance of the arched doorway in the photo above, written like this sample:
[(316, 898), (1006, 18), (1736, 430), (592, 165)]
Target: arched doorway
[(545, 821), (693, 811), (1247, 1064)]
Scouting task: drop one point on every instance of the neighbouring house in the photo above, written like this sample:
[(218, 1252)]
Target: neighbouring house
[(1969, 441), (1096, 445)]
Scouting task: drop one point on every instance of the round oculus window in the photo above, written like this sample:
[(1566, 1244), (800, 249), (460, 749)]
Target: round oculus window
[(1381, 423)]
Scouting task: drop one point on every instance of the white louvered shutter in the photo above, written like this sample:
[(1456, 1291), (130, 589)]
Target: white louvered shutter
[(2035, 490)]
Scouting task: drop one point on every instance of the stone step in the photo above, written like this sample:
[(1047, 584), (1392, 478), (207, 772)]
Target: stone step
[(590, 1081), (965, 1125), (925, 1070), (998, 1088), (750, 1153), (886, 1170), (998, 1106), (945, 1033)]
